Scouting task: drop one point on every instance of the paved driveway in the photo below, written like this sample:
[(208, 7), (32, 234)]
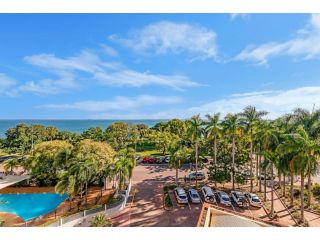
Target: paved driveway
[(145, 206)]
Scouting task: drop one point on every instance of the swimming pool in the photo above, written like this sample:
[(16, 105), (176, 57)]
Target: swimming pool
[(30, 205)]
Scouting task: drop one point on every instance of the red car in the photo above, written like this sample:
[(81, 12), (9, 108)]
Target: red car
[(148, 160)]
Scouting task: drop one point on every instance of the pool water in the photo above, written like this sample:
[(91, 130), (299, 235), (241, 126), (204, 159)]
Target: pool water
[(30, 205)]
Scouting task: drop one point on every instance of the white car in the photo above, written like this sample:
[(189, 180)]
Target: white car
[(181, 195), (239, 198), (194, 196), (208, 194), (224, 198), (253, 200), (167, 159), (198, 176)]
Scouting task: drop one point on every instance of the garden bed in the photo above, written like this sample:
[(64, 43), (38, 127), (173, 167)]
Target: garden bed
[(167, 202)]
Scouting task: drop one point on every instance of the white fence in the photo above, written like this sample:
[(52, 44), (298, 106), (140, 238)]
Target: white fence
[(80, 218)]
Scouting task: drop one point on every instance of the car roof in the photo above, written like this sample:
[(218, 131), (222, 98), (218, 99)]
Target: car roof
[(208, 189), (180, 191), (193, 191), (223, 193)]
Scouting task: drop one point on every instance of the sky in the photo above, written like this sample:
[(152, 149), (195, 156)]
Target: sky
[(156, 66)]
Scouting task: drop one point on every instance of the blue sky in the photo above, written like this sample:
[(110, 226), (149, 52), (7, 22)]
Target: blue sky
[(156, 66)]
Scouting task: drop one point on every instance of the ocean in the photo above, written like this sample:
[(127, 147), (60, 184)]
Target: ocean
[(72, 125)]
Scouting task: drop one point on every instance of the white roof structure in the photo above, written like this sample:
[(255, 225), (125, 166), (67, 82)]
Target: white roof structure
[(6, 181)]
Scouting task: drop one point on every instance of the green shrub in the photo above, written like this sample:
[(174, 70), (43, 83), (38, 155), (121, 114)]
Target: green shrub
[(101, 220), (167, 201), (316, 189)]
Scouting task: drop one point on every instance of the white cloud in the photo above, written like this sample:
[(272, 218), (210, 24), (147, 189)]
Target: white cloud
[(306, 45), (233, 16), (119, 103), (275, 102), (109, 50), (6, 82), (107, 73), (170, 37)]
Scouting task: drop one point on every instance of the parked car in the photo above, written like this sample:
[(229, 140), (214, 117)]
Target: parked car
[(224, 198), (158, 159), (208, 194), (198, 176), (181, 195), (194, 196), (253, 200), (239, 198), (167, 159), (148, 160)]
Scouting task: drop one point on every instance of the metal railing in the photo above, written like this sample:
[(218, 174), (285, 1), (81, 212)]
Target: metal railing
[(109, 209)]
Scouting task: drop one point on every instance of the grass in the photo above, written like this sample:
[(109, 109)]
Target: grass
[(152, 152)]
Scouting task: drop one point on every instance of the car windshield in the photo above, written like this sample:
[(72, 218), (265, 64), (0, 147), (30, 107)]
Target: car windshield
[(182, 196), (225, 198), (194, 195), (208, 192)]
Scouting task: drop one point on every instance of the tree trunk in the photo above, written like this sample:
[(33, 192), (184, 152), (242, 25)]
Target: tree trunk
[(86, 200), (279, 177), (251, 162), (260, 172), (257, 167), (265, 185), (302, 197), (284, 185), (309, 188), (196, 164), (233, 154), (177, 176), (215, 158), (81, 190), (272, 192), (291, 189)]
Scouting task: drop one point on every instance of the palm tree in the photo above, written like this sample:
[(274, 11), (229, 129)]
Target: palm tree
[(195, 132), (10, 165), (67, 185), (213, 130), (124, 165), (231, 125), (177, 155), (249, 118), (271, 158), (269, 143), (305, 152)]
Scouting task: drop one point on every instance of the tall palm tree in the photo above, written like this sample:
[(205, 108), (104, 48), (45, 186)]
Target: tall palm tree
[(269, 141), (213, 130), (305, 152), (271, 158), (124, 165), (178, 154), (231, 126), (195, 132), (250, 116), (67, 184)]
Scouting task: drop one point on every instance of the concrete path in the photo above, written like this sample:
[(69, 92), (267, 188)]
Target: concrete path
[(280, 209)]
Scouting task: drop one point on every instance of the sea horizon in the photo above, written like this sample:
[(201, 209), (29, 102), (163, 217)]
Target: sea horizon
[(72, 125)]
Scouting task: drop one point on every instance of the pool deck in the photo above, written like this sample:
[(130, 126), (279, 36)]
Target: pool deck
[(12, 220), (8, 180)]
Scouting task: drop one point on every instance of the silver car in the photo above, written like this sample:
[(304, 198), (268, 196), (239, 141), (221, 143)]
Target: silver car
[(181, 195), (253, 200), (194, 196), (208, 194), (224, 198)]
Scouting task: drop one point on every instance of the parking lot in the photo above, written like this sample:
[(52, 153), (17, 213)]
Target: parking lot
[(145, 205)]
